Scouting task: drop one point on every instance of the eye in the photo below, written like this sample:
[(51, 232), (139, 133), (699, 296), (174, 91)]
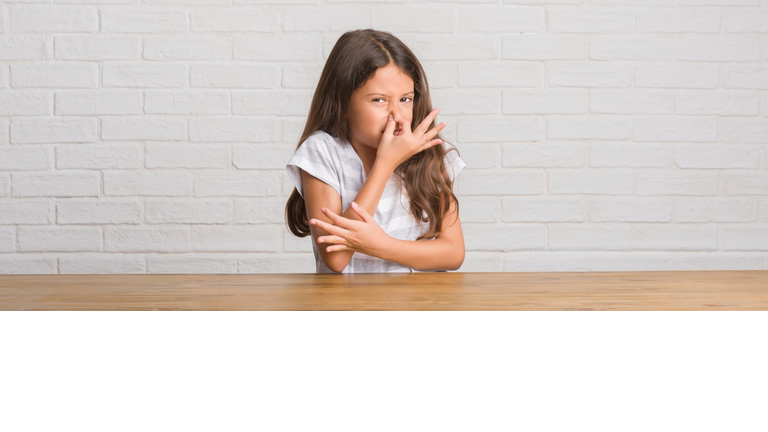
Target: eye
[(404, 97)]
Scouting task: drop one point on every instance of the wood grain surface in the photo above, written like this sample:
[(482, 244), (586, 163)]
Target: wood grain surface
[(667, 290)]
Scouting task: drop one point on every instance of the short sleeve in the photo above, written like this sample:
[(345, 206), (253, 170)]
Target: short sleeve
[(315, 156), (453, 162)]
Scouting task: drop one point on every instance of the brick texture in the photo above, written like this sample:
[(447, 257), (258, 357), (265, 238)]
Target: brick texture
[(599, 135)]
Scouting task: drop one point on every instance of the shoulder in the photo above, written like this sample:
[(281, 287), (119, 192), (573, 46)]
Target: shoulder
[(318, 140), (318, 156), (451, 152), (453, 162), (319, 148)]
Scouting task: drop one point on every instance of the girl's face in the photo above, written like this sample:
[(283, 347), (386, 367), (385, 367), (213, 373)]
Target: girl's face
[(389, 91)]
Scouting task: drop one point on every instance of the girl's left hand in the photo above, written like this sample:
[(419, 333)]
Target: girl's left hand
[(364, 236)]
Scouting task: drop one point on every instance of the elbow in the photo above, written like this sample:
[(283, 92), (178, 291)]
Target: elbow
[(335, 265), (457, 261), (460, 255)]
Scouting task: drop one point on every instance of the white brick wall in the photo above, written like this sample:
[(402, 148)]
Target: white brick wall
[(600, 135)]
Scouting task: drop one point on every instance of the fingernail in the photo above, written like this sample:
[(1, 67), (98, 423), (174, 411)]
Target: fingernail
[(390, 117), (354, 204)]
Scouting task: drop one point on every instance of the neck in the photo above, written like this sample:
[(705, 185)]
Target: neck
[(366, 154)]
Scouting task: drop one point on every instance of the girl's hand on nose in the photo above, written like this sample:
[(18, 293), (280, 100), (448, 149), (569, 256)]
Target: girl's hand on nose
[(396, 149)]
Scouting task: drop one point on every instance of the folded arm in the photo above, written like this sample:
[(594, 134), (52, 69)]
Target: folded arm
[(318, 194), (444, 252)]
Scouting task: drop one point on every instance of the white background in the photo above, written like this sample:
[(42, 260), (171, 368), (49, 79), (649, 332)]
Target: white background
[(386, 371)]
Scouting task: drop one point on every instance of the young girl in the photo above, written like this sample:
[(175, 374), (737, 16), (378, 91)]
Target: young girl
[(370, 147)]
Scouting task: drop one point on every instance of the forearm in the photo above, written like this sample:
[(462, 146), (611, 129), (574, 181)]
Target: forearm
[(424, 255), (368, 198), (370, 194)]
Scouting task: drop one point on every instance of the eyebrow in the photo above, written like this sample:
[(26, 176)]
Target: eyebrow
[(382, 94)]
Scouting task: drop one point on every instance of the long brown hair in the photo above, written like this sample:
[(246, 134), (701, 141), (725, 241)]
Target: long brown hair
[(352, 61)]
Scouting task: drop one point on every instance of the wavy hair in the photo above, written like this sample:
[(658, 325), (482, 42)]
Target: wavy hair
[(354, 59)]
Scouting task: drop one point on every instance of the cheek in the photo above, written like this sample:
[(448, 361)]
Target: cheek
[(408, 114), (372, 120), (362, 123)]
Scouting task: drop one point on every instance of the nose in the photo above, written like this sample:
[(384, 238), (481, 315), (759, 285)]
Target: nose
[(397, 114)]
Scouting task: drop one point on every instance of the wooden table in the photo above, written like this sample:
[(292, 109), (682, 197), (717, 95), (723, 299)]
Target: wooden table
[(666, 290)]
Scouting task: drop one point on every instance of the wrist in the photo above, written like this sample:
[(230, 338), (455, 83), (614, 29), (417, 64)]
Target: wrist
[(386, 249), (380, 165)]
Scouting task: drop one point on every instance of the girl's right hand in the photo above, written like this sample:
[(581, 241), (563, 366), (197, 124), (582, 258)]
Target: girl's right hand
[(394, 150)]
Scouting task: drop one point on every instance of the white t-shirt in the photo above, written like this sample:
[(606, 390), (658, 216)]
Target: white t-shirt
[(335, 162)]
